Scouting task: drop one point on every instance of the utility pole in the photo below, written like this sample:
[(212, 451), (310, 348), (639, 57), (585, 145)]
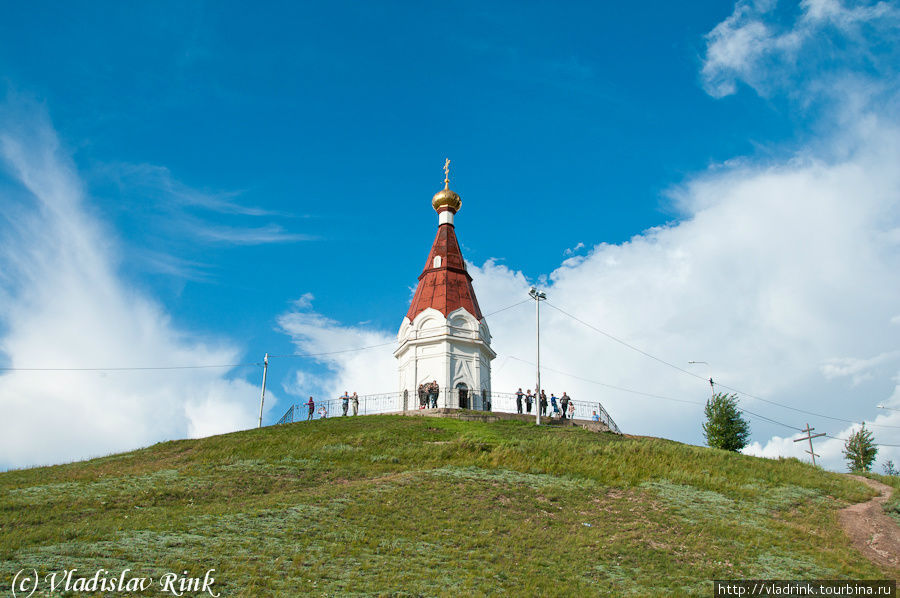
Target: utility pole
[(262, 398), (809, 436), (538, 296)]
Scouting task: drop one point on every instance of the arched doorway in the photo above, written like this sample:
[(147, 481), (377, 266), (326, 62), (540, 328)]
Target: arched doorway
[(463, 391)]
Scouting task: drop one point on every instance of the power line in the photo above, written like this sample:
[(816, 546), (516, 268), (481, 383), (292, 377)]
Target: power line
[(507, 307), (693, 375), (333, 352), (381, 344), (621, 342), (604, 384), (798, 410), (130, 369), (655, 396), (876, 443), (217, 365)]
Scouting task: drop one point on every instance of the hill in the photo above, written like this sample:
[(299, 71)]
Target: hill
[(427, 506)]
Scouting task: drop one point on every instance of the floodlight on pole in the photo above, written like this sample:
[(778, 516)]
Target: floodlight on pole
[(538, 296), (262, 397), (712, 384)]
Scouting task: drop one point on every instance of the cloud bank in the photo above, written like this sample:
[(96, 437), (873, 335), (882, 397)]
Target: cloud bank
[(65, 306)]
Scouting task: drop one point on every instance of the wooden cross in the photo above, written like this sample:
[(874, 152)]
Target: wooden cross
[(809, 436)]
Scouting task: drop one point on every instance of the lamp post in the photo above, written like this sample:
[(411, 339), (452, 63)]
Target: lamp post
[(262, 398), (538, 296), (712, 385)]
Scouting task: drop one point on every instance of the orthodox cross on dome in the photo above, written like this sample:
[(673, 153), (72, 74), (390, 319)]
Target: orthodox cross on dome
[(447, 174)]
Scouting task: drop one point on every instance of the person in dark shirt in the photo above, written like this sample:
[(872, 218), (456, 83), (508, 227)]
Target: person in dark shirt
[(564, 403), (434, 391), (519, 395), (529, 399), (312, 408)]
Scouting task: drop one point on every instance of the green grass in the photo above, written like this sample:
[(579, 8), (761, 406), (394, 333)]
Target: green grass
[(387, 505), (892, 506)]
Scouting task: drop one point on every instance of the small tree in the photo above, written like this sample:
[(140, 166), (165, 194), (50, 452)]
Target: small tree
[(725, 428), (889, 468), (860, 450)]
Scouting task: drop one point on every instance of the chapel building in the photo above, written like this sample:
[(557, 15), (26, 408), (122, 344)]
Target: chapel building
[(444, 337)]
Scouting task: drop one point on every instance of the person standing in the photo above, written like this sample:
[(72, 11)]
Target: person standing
[(423, 396), (345, 402), (435, 390), (543, 403), (355, 400), (312, 408), (554, 404), (519, 395), (571, 409), (529, 399), (564, 403)]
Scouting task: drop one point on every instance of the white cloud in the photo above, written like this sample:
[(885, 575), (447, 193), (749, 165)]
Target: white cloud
[(752, 46), (372, 371), (64, 306), (158, 183), (270, 233), (858, 369), (830, 450)]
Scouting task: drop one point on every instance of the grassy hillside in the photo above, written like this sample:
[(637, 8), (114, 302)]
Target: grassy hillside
[(425, 506), (892, 507)]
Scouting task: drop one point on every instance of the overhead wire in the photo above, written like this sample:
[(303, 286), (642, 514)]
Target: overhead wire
[(656, 396), (380, 344), (507, 307), (135, 368), (218, 365), (720, 385), (333, 352), (875, 443)]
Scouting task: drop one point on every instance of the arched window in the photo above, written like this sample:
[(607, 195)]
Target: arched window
[(436, 263)]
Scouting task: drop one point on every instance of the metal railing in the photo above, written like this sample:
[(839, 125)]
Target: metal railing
[(393, 402), (368, 405)]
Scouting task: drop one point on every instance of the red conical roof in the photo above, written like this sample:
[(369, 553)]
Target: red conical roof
[(445, 286)]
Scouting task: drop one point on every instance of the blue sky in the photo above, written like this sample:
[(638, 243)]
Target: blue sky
[(231, 159), (337, 119)]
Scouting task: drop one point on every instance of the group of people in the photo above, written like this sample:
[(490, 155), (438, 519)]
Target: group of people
[(563, 407), (346, 400), (428, 393)]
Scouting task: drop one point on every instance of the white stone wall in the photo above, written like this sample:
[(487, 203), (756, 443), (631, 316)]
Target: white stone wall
[(450, 350)]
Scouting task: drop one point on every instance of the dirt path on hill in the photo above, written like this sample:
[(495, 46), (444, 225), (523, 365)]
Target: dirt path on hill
[(872, 531)]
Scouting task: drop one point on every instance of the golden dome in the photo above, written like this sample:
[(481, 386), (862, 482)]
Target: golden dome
[(445, 198)]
